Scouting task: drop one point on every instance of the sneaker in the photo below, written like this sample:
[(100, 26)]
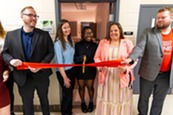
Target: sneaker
[(84, 107), (90, 106)]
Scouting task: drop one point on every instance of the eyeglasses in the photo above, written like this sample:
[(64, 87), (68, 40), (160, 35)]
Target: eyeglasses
[(31, 15), (89, 33)]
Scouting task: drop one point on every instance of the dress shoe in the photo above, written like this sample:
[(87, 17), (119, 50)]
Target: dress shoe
[(90, 106), (84, 107), (12, 113)]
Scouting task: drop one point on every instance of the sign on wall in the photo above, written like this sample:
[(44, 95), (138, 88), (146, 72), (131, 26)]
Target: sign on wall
[(47, 25)]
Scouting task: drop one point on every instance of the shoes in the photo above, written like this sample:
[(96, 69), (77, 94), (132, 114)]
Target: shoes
[(90, 106), (12, 113), (84, 107)]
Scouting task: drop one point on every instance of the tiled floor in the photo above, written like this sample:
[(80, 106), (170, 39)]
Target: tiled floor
[(167, 108)]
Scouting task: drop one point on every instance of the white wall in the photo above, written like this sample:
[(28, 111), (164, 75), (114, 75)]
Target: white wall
[(10, 11)]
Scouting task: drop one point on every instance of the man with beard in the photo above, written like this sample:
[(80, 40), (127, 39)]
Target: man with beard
[(156, 69), (30, 44)]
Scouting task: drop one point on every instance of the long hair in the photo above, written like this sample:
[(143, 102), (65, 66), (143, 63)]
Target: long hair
[(119, 27), (2, 31), (59, 34)]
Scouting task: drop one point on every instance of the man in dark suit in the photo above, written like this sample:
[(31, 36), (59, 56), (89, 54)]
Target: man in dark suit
[(30, 44), (156, 69)]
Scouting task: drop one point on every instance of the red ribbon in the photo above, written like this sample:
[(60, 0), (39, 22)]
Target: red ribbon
[(25, 65)]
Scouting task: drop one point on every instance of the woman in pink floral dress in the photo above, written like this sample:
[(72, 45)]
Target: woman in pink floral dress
[(114, 96)]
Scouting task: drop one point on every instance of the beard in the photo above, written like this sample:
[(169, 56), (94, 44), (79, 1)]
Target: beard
[(29, 23), (163, 26)]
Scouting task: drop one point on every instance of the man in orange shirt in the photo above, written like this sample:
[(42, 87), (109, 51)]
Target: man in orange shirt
[(156, 69)]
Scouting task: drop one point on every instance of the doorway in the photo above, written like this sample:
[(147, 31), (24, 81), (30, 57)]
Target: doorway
[(96, 13), (100, 12), (85, 14)]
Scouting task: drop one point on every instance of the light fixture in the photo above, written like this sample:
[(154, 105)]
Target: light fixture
[(80, 6)]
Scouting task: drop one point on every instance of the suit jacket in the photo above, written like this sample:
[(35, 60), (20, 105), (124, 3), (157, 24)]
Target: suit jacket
[(102, 54), (150, 48), (42, 51)]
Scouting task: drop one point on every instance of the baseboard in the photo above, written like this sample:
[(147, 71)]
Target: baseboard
[(37, 108)]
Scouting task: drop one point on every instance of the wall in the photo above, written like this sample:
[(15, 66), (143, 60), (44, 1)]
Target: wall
[(102, 11)]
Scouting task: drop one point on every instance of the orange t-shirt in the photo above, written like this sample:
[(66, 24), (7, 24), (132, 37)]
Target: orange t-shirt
[(167, 42)]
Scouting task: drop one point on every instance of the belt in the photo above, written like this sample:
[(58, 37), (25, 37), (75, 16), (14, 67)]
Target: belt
[(164, 72)]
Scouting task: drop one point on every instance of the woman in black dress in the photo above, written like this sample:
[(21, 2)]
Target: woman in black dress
[(84, 53)]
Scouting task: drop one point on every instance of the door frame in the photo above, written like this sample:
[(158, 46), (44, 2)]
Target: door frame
[(58, 10)]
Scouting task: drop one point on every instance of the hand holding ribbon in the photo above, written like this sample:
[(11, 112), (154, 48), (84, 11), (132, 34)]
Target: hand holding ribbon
[(84, 61), (26, 65)]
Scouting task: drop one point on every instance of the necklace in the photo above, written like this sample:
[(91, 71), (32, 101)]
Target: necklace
[(87, 46), (114, 43)]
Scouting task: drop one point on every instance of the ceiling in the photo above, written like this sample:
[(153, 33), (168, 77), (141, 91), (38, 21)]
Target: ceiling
[(78, 6)]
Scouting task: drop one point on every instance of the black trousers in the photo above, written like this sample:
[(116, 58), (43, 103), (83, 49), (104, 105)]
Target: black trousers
[(67, 93), (27, 94), (159, 87)]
